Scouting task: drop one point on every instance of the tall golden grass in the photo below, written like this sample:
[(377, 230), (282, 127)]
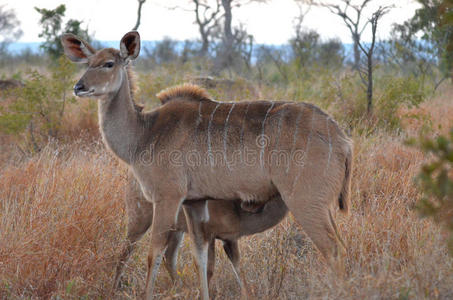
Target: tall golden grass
[(62, 223)]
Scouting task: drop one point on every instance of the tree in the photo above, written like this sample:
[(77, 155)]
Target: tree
[(139, 14), (215, 24), (352, 16), (304, 46), (234, 42), (410, 55), (227, 29), (38, 107), (207, 19), (423, 45), (366, 74), (354, 19), (434, 20), (304, 41), (9, 27), (276, 56), (52, 23), (436, 181), (446, 23), (165, 51), (331, 53)]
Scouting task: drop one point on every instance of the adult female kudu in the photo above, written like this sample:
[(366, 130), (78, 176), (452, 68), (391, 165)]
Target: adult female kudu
[(227, 222), (298, 152)]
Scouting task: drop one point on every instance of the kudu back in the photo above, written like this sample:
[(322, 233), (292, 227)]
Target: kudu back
[(194, 148)]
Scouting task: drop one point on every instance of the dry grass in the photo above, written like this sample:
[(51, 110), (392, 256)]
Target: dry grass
[(62, 222), (435, 114), (59, 222)]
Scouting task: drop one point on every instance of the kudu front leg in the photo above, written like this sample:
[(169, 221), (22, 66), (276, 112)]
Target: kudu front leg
[(140, 217), (164, 222), (129, 246), (196, 213)]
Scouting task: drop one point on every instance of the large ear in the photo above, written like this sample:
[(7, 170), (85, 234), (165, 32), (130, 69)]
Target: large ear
[(76, 49), (130, 46)]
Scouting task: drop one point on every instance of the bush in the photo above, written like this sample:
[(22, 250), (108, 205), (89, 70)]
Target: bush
[(37, 109), (393, 93), (345, 98), (436, 181), (52, 28)]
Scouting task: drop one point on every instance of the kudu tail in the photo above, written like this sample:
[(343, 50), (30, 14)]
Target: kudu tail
[(270, 215), (344, 198)]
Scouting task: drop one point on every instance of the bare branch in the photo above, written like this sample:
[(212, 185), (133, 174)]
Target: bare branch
[(139, 14), (207, 18)]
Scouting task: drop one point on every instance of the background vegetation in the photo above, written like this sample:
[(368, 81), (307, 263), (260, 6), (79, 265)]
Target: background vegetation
[(62, 218)]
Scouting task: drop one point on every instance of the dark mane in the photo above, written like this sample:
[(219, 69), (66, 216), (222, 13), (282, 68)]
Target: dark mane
[(187, 91)]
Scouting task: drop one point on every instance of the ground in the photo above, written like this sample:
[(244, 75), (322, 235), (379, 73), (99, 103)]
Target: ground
[(62, 221)]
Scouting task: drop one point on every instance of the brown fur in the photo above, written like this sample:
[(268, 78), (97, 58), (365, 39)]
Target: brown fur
[(227, 222), (10, 84), (132, 86), (229, 89), (312, 177), (186, 91)]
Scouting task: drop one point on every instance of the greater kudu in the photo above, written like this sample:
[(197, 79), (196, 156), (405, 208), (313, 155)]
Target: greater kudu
[(251, 151)]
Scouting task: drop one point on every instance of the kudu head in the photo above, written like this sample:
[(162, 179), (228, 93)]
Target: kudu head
[(106, 68)]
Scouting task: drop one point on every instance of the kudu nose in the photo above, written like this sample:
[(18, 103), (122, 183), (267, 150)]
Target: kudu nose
[(78, 87)]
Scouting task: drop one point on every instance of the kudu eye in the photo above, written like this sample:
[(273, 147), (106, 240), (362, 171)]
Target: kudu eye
[(108, 64)]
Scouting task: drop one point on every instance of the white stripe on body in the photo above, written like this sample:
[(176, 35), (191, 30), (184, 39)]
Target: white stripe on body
[(241, 137), (330, 144), (296, 131), (305, 153), (262, 134), (211, 159), (225, 136)]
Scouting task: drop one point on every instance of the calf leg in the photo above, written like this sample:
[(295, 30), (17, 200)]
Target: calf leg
[(196, 214), (171, 254), (232, 250), (211, 259)]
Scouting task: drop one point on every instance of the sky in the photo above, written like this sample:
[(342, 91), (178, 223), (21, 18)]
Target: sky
[(271, 23)]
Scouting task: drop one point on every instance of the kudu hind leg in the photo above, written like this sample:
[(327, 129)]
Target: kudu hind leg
[(338, 264), (196, 214), (309, 195), (316, 223)]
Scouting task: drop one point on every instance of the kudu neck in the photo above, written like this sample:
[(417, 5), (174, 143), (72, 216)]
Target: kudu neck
[(120, 122)]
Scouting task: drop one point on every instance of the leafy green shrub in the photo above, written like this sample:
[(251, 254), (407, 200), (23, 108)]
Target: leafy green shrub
[(345, 98), (52, 28), (37, 109), (394, 92), (436, 181)]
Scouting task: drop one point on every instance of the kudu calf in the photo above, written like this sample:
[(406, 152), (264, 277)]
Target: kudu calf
[(227, 222), (195, 148)]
